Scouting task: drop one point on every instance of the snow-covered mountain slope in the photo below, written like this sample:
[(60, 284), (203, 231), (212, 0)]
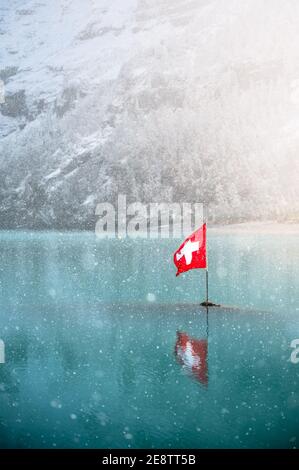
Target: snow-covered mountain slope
[(162, 100)]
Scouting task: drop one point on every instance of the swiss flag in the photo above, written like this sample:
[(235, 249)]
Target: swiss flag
[(192, 253)]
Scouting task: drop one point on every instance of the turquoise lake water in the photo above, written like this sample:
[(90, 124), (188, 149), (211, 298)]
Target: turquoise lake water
[(91, 335)]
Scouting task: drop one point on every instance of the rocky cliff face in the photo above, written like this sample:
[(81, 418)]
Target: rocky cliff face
[(162, 100)]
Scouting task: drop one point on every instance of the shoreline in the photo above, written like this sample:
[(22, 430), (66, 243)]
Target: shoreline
[(246, 228), (257, 228)]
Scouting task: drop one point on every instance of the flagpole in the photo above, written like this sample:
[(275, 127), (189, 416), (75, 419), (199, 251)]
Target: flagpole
[(207, 263), (207, 285), (207, 302)]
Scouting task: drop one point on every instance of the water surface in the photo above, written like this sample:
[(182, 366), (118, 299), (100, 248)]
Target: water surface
[(94, 356)]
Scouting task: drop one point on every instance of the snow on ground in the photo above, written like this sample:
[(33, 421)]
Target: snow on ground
[(257, 228)]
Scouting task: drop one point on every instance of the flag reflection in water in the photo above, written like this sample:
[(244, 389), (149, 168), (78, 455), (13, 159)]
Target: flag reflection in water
[(193, 355)]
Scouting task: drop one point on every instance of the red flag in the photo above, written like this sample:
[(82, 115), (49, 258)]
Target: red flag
[(192, 253), (193, 354)]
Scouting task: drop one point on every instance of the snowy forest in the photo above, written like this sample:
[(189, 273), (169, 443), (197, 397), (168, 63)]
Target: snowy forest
[(161, 100)]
